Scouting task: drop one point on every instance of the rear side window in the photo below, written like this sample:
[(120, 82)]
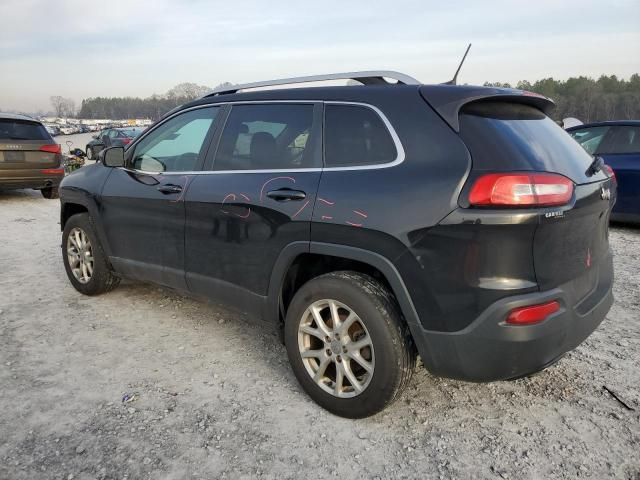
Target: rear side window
[(621, 139), (268, 137), (22, 130), (590, 138), (505, 136), (355, 136)]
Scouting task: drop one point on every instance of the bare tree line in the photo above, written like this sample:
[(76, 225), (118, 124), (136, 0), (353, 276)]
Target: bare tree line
[(589, 100), (607, 98)]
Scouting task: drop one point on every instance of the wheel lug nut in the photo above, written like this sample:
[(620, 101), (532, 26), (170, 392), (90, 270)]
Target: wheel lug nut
[(344, 349), (339, 358), (329, 353)]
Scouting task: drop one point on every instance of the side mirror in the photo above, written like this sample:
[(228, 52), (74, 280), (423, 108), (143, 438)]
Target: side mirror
[(112, 157)]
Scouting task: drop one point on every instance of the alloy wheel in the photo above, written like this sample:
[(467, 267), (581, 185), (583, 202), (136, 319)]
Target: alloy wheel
[(80, 255), (336, 348)]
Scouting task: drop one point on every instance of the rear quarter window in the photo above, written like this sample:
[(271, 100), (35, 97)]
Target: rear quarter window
[(356, 136), (22, 130)]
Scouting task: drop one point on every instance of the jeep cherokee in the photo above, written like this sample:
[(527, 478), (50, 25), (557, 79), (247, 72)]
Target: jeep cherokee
[(369, 223)]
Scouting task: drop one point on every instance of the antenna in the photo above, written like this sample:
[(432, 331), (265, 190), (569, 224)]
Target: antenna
[(455, 77)]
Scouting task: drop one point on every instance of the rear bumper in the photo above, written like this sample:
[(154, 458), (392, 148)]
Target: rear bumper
[(489, 350), (31, 181)]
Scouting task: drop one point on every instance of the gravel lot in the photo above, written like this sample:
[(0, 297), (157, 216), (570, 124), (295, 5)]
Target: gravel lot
[(215, 398)]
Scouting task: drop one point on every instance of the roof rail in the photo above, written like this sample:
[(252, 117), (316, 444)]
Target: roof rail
[(367, 78)]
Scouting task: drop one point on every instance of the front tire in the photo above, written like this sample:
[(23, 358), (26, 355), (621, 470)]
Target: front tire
[(89, 151), (348, 345), (84, 260)]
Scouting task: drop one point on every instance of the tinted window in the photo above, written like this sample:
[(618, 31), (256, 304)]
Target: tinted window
[(22, 130), (510, 136), (131, 132), (176, 145), (356, 135), (622, 139), (270, 136), (590, 138)]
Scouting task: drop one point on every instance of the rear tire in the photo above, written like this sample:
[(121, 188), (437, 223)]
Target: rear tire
[(50, 193), (367, 315), (89, 151), (84, 260)]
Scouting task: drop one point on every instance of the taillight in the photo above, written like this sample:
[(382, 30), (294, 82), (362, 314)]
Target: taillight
[(521, 189), (54, 148), (532, 314), (126, 141), (609, 171), (52, 171)]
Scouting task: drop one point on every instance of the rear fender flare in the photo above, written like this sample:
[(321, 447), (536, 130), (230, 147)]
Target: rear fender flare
[(384, 265)]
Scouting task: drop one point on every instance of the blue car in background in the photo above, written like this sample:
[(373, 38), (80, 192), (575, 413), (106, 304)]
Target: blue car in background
[(618, 143)]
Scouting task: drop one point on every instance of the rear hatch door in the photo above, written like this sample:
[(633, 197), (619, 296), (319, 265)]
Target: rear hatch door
[(21, 147), (570, 243)]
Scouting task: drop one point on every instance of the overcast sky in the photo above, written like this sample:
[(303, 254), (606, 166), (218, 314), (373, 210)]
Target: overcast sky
[(80, 48)]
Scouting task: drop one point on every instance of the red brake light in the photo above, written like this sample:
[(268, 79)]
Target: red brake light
[(609, 171), (55, 148), (532, 314), (126, 141), (521, 189), (52, 171)]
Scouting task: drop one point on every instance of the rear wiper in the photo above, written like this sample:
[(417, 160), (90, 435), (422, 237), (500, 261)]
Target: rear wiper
[(596, 166)]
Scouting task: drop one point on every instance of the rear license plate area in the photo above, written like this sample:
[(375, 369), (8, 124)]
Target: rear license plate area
[(13, 157)]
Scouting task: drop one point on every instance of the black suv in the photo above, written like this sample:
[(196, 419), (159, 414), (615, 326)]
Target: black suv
[(369, 223)]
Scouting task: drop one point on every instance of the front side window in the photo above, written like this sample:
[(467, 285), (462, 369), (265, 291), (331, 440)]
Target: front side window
[(621, 139), (176, 145), (590, 138), (356, 135), (267, 137)]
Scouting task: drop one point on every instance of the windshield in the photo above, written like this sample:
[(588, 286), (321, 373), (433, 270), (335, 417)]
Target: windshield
[(22, 130)]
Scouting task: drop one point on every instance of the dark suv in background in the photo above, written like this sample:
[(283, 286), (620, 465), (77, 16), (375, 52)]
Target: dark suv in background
[(368, 223), (29, 157)]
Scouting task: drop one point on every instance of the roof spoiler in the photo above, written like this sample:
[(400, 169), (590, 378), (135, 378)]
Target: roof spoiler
[(447, 101)]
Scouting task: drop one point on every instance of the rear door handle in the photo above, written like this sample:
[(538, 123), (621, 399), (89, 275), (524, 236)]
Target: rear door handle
[(286, 195), (169, 188)]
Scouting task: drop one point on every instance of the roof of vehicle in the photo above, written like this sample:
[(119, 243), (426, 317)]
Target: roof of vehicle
[(609, 123), (16, 116), (446, 99), (374, 89)]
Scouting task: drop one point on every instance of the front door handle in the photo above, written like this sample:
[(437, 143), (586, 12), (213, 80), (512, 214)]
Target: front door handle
[(169, 188), (286, 195)]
